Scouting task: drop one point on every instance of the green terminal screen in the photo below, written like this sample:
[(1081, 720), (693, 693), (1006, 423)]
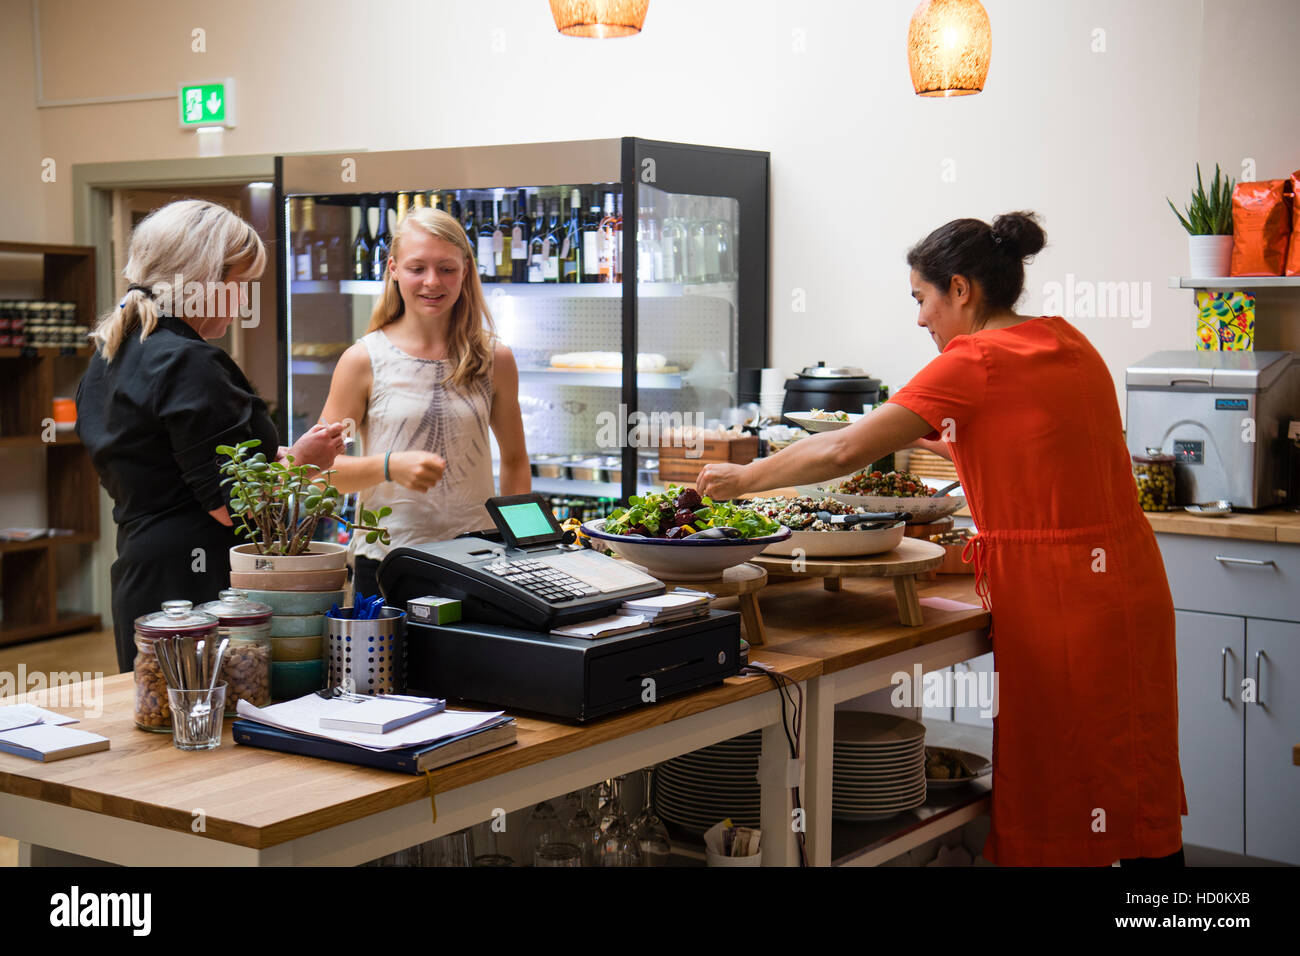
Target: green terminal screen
[(526, 520)]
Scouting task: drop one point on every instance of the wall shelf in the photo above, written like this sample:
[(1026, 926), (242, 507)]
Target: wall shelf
[(31, 571), (1247, 283)]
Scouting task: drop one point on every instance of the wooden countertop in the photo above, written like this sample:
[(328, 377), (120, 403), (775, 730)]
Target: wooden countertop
[(1274, 524), (260, 798)]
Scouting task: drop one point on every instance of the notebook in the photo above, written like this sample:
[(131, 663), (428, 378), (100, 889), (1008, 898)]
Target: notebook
[(379, 716), (48, 742)]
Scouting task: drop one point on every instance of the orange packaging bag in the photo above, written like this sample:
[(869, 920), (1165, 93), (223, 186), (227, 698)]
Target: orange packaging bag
[(1261, 227), (1293, 253)]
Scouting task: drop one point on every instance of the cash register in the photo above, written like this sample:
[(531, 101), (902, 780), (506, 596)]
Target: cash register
[(514, 590)]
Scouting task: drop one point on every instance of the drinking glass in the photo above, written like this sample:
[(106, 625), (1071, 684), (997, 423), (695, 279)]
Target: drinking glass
[(581, 830), (454, 849), (614, 843), (543, 827), (649, 831), (486, 836), (196, 717), (558, 854)]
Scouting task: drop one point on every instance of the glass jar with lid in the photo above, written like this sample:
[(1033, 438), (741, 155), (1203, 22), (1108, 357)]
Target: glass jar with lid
[(1154, 473), (246, 668), (177, 618)]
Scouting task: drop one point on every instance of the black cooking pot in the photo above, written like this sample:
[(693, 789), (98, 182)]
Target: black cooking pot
[(843, 389)]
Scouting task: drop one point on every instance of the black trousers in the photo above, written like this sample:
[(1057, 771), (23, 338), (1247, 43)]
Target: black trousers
[(365, 581)]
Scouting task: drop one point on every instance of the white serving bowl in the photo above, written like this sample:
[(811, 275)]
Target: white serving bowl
[(839, 544), (923, 510), (674, 559), (805, 421)]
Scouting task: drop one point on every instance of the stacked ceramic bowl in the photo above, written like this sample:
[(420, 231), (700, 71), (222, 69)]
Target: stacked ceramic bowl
[(698, 789), (879, 765)]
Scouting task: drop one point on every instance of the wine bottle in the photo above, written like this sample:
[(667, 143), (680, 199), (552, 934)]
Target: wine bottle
[(361, 245), (301, 245), (673, 243), (725, 239), (383, 243), (465, 216), (571, 244), (403, 205), (551, 245), (618, 236), (501, 239), (320, 263), (605, 242), (591, 242), (420, 200), (536, 241), (487, 255), (521, 235), (650, 254)]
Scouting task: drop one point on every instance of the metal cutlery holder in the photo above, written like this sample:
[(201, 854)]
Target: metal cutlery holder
[(368, 657)]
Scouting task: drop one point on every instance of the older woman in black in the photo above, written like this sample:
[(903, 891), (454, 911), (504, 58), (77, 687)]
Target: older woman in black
[(156, 401)]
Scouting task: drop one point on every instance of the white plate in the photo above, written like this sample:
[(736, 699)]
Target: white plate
[(923, 510), (865, 728), (908, 778), (981, 765), (700, 795), (805, 421), (838, 544), (703, 778), (853, 816), (1209, 511)]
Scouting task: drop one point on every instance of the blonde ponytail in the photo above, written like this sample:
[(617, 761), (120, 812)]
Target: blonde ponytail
[(187, 241)]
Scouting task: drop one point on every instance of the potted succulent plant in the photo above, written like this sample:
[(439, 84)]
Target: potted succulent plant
[(277, 506), (1209, 225)]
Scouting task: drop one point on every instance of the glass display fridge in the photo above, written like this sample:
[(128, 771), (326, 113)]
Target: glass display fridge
[(629, 277)]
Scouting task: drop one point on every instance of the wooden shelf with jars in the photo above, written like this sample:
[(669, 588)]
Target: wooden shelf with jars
[(34, 370)]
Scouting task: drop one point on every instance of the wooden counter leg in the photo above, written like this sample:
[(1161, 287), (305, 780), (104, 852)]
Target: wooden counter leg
[(753, 618), (832, 584), (909, 602)]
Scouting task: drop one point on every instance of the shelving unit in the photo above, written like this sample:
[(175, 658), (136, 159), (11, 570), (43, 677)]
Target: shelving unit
[(31, 571)]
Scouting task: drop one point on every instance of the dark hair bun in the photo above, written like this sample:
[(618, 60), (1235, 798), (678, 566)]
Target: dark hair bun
[(1020, 233)]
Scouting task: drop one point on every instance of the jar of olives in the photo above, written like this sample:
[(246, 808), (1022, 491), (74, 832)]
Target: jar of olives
[(1154, 473)]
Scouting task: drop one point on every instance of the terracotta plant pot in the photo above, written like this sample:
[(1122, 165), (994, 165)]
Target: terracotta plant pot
[(330, 580), (321, 556)]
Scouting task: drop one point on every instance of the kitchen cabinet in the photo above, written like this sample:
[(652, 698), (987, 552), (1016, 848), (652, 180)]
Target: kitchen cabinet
[(1211, 721), (1272, 729), (1237, 617)]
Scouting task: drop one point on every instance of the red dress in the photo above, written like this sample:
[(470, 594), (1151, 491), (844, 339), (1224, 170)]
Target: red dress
[(1085, 739)]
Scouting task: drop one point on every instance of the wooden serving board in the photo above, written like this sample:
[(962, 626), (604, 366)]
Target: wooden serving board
[(912, 557)]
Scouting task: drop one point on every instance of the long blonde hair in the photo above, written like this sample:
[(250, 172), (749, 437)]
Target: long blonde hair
[(472, 335), (198, 241)]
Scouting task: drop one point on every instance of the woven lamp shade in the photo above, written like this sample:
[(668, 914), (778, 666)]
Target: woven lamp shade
[(599, 18), (948, 47)]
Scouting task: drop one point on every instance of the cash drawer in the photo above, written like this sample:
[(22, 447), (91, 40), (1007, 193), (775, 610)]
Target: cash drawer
[(1226, 576)]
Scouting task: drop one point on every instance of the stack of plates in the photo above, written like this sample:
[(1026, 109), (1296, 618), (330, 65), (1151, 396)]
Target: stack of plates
[(879, 765), (699, 789)]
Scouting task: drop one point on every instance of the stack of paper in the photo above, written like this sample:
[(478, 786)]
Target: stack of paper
[(603, 626), (46, 742), (677, 605)]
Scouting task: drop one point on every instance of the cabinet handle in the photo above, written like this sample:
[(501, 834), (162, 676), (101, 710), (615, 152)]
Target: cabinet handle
[(1249, 562), (1223, 677), (1259, 678)]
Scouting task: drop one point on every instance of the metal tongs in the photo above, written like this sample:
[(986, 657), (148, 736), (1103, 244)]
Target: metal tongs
[(871, 521)]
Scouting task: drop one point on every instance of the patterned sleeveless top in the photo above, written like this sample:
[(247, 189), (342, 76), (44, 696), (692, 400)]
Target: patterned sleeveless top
[(411, 409)]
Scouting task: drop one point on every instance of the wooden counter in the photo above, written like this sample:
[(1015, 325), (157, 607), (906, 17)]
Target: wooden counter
[(1274, 524), (260, 799)]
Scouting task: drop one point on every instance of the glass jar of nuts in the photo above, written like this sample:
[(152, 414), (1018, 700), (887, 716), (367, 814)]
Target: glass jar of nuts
[(1154, 473), (176, 618), (247, 667)]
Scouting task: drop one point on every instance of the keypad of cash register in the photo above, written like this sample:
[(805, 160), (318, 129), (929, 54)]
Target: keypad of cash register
[(548, 583)]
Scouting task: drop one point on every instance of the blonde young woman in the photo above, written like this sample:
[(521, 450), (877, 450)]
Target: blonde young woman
[(425, 384), (157, 399)]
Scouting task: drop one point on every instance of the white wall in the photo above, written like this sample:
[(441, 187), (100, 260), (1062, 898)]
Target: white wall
[(1093, 141)]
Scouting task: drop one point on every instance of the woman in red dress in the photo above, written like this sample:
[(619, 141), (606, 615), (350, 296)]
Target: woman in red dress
[(1085, 741)]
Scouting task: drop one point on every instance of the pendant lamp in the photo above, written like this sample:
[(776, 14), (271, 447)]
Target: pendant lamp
[(599, 18), (948, 47)]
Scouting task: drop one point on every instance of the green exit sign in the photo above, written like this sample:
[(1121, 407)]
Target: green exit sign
[(208, 104)]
